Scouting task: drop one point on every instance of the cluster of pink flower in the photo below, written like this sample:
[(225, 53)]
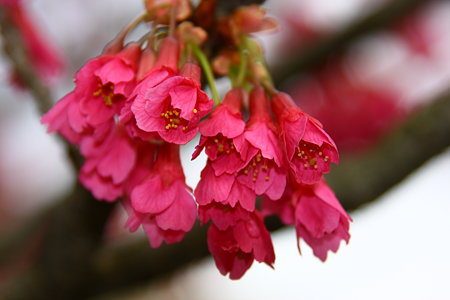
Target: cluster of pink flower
[(132, 108)]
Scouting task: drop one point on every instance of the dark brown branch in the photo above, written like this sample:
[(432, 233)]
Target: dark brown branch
[(63, 267), (317, 53)]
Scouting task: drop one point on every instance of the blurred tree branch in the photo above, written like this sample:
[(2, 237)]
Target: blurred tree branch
[(316, 53), (14, 48), (71, 263)]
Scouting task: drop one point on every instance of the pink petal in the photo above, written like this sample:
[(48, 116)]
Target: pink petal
[(150, 197)]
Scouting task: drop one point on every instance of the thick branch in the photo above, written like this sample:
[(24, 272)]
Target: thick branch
[(63, 267), (317, 53)]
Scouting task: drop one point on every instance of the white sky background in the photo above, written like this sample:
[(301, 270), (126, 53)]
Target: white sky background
[(400, 245)]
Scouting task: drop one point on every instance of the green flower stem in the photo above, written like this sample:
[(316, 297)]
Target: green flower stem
[(207, 70), (243, 66)]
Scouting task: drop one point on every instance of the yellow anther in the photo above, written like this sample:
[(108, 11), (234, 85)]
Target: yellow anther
[(174, 126), (258, 159), (312, 161), (315, 167), (228, 151), (208, 147), (246, 171), (176, 113), (170, 113), (320, 153), (184, 128), (168, 126), (254, 179), (267, 178), (299, 154), (265, 167), (195, 111), (254, 164), (216, 141), (162, 114), (305, 165), (303, 152), (220, 148)]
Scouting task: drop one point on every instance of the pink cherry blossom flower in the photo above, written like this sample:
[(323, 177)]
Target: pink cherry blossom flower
[(318, 216), (263, 171), (127, 117), (154, 233), (236, 237), (108, 164), (309, 149), (66, 119), (218, 131), (163, 195), (105, 82), (173, 108), (101, 87), (223, 189)]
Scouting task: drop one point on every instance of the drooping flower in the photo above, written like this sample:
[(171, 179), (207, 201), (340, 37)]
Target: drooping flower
[(101, 88), (318, 216), (174, 107), (164, 195), (224, 188), (104, 83), (236, 237), (263, 171), (309, 149), (66, 119), (155, 235), (108, 163), (218, 131)]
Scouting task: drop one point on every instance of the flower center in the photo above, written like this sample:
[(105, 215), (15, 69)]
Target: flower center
[(220, 144), (309, 154), (173, 119), (106, 91), (258, 166)]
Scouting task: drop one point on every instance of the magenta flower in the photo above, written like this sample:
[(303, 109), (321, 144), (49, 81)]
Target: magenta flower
[(127, 117), (309, 149), (320, 220), (236, 237), (163, 195), (172, 108), (105, 82), (218, 131), (108, 163), (223, 189), (154, 233), (101, 87), (66, 119), (318, 216), (263, 171)]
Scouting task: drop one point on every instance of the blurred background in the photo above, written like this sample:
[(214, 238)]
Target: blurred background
[(366, 86)]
